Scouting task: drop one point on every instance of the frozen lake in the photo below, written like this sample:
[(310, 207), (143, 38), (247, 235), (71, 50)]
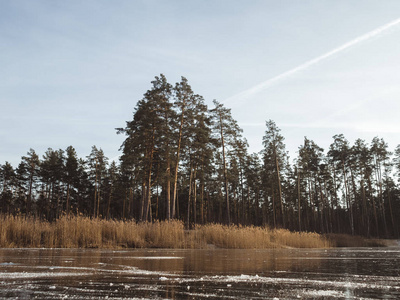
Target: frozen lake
[(200, 274)]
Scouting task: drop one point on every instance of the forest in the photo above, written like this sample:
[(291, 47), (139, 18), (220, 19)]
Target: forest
[(182, 160)]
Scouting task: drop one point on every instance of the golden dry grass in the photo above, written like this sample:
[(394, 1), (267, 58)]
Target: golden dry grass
[(235, 237), (84, 232), (251, 237), (300, 239)]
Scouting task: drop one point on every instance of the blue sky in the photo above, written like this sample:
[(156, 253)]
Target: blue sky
[(72, 71)]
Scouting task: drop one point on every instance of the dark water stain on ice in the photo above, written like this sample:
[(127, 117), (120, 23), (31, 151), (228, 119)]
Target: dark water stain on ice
[(200, 274)]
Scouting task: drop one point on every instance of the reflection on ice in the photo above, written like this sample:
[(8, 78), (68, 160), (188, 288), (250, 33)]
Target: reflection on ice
[(199, 274)]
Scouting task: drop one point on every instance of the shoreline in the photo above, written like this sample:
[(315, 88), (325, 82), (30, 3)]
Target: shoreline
[(349, 241)]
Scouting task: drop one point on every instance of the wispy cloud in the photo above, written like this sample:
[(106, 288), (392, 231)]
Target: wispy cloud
[(302, 125), (272, 81), (378, 128), (365, 127)]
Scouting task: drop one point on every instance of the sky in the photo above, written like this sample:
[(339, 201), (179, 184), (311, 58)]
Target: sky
[(72, 71)]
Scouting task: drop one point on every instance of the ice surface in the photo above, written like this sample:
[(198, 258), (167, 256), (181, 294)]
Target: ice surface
[(203, 274)]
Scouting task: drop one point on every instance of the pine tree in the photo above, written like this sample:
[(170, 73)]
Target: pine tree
[(97, 163), (274, 157), (361, 159), (310, 163), (184, 104), (253, 174), (228, 131), (147, 145), (382, 166), (71, 174), (52, 175), (31, 162), (339, 152), (7, 175)]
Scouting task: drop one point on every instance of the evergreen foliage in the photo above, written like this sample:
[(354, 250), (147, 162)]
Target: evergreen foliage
[(182, 160)]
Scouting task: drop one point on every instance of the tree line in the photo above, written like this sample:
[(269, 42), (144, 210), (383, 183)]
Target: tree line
[(183, 160)]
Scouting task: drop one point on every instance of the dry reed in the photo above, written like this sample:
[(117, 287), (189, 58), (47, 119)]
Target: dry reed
[(84, 232), (250, 237)]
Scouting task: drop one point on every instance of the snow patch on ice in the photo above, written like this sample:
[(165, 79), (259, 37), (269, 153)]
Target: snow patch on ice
[(137, 271), (8, 264), (345, 284), (122, 269), (321, 293), (17, 275)]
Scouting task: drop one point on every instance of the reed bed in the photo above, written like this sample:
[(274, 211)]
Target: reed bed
[(235, 237), (84, 232), (251, 237), (290, 239)]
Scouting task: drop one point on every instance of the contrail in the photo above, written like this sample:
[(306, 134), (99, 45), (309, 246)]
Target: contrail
[(270, 82)]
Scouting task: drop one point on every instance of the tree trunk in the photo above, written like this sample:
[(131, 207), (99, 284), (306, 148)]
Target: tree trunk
[(279, 188), (29, 200), (299, 200), (95, 192), (168, 189), (194, 200), (67, 204), (99, 194), (348, 202), (177, 162), (380, 198), (109, 201), (225, 173), (273, 205), (395, 229), (148, 191), (374, 207), (202, 203), (188, 205), (142, 204), (365, 215)]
